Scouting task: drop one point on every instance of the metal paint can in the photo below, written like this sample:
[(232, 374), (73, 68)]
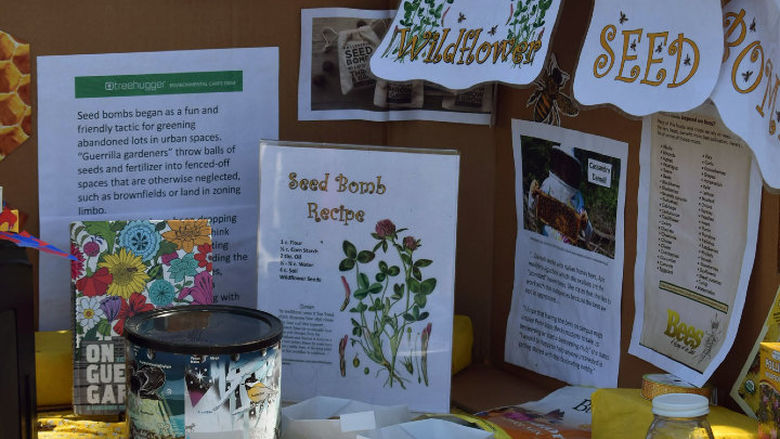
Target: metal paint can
[(204, 372)]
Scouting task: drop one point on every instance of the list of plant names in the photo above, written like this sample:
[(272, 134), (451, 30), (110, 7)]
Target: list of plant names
[(362, 278), (697, 237), (155, 136)]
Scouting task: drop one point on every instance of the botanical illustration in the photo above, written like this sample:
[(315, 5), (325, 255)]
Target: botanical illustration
[(386, 295), (524, 22), (127, 267)]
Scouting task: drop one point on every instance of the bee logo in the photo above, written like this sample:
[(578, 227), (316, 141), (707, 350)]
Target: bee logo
[(548, 101), (746, 75), (633, 45), (492, 30), (461, 17), (659, 48), (623, 17), (752, 26), (687, 60)]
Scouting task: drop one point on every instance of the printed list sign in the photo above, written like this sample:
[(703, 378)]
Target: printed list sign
[(357, 257), (137, 136), (643, 60)]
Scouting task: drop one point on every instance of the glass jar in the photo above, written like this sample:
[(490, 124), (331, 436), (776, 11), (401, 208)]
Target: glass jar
[(680, 416)]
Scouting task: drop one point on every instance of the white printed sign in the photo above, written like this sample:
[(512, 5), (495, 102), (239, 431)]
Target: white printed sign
[(357, 257), (599, 173), (460, 43), (747, 90), (645, 57)]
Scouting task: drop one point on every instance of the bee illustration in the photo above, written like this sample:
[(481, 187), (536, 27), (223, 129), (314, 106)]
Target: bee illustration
[(461, 17), (633, 45), (711, 338), (746, 75), (623, 17), (493, 29), (548, 101), (687, 60), (777, 115), (659, 48), (752, 26)]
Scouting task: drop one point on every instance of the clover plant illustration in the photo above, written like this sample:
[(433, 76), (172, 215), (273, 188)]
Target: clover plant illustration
[(388, 305)]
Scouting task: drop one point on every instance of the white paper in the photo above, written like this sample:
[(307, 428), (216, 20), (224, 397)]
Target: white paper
[(565, 315), (699, 205), (337, 418), (645, 56), (747, 90), (307, 278), (335, 81), (458, 44), (231, 123), (426, 429)]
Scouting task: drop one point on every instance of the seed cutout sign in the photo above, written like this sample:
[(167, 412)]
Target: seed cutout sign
[(747, 89), (460, 43), (646, 57)]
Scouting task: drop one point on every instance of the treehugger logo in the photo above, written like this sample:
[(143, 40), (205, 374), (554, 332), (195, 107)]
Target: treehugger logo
[(684, 336)]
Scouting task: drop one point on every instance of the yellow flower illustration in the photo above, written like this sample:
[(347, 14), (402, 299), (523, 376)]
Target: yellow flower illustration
[(188, 234), (128, 271)]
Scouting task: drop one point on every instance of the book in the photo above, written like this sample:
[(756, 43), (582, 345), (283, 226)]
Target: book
[(123, 268)]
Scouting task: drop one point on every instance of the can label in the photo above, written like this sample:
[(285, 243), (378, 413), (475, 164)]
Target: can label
[(204, 396)]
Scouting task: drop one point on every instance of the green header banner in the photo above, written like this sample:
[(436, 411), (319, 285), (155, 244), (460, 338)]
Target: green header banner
[(159, 84)]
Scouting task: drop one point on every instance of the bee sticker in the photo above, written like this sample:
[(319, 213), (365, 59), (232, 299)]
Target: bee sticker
[(623, 17), (753, 25), (493, 29), (548, 100), (461, 17), (687, 60), (746, 75), (633, 45)]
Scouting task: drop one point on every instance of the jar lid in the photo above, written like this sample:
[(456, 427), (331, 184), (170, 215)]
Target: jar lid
[(680, 405), (204, 329)]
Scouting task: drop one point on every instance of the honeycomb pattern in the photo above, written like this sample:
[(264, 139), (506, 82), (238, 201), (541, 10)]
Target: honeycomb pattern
[(15, 109)]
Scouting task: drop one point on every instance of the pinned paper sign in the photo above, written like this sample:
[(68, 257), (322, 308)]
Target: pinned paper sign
[(646, 57), (460, 43), (15, 108), (747, 90)]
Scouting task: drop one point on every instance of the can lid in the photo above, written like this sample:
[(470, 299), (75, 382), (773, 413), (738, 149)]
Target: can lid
[(204, 329), (680, 405)]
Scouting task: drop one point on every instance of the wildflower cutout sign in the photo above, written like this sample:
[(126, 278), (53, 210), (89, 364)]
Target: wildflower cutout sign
[(747, 90), (645, 57), (122, 268), (461, 43), (359, 263)]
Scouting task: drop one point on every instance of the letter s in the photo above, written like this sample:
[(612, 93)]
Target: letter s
[(607, 34)]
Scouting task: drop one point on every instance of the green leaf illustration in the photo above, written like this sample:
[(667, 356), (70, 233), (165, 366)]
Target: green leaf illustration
[(417, 273), (423, 263), (356, 331), (360, 293), (428, 285), (422, 316), (156, 272), (365, 256), (118, 225), (363, 281), (375, 288), (380, 277), (104, 328), (394, 270), (409, 318), (346, 264), (102, 229), (383, 266), (355, 323), (166, 247), (349, 249), (420, 300), (413, 285), (406, 258)]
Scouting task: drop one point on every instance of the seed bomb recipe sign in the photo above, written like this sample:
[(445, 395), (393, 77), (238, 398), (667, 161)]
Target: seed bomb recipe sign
[(460, 43), (643, 60), (357, 257)]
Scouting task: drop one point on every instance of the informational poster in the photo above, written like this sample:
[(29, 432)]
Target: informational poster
[(747, 90), (335, 80), (163, 135), (645, 57), (745, 389), (699, 203), (357, 257), (461, 43), (565, 316)]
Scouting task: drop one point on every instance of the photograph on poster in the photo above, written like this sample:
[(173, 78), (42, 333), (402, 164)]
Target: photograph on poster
[(336, 81), (570, 194)]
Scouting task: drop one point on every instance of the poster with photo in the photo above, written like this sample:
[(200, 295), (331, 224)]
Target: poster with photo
[(565, 316), (697, 224), (356, 256), (336, 82)]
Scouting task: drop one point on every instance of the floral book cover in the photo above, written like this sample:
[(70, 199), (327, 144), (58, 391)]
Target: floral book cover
[(357, 257), (124, 268)]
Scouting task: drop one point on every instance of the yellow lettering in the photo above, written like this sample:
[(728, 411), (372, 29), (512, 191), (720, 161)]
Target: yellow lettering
[(733, 20), (484, 47), (661, 74), (452, 48), (756, 52), (607, 34), (677, 48), (626, 57)]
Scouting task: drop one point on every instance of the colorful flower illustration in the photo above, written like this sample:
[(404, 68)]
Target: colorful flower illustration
[(88, 312), (128, 271), (96, 284), (92, 248), (202, 292), (385, 228), (141, 238), (204, 256), (111, 306), (161, 292), (76, 267), (182, 267), (411, 243), (168, 257), (135, 304), (187, 234)]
